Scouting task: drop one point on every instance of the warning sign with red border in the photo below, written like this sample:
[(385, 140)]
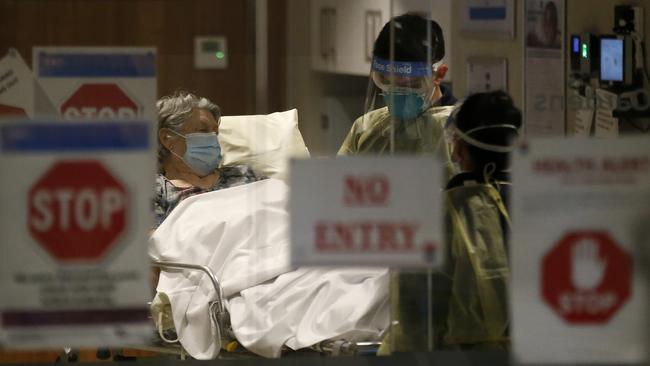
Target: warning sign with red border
[(580, 212), (76, 215), (21, 96)]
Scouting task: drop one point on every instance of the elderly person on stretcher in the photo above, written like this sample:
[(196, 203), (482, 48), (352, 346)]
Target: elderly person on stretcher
[(235, 222)]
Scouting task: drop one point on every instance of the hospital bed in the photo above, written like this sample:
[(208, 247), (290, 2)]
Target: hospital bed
[(265, 143)]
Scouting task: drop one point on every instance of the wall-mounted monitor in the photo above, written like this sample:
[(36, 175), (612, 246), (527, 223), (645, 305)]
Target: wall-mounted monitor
[(616, 61)]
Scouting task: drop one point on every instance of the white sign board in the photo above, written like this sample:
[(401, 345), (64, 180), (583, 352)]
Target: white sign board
[(580, 213), (76, 208), (107, 83), (20, 94), (366, 211)]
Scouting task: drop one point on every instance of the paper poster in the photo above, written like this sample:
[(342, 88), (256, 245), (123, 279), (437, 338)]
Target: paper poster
[(20, 94), (99, 83), (584, 115), (580, 212), (544, 72), (606, 124), (76, 211), (366, 211)]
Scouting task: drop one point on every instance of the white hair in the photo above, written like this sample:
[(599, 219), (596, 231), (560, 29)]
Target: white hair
[(174, 110)]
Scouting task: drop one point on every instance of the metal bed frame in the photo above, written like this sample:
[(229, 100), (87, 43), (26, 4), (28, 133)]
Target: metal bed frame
[(221, 319)]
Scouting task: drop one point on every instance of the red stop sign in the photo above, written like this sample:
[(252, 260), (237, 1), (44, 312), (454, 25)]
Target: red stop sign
[(99, 101), (586, 277), (10, 111), (77, 210)]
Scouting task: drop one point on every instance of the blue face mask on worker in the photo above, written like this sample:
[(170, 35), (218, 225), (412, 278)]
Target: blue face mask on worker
[(202, 153), (405, 106), (406, 87)]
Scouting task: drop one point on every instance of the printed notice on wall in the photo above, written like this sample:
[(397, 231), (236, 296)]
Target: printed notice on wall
[(544, 81)]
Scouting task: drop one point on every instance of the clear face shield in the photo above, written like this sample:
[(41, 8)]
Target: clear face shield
[(399, 92), (406, 88)]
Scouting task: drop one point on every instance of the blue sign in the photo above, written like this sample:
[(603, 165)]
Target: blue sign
[(487, 13), (109, 65), (62, 136)]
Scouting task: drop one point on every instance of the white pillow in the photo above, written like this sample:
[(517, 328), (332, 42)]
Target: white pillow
[(264, 142)]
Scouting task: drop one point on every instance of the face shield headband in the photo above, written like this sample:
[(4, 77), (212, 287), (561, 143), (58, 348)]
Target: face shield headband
[(402, 77), (406, 87), (401, 68), (465, 136)]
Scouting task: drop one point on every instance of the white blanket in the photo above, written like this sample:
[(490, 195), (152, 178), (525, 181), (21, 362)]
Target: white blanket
[(242, 234)]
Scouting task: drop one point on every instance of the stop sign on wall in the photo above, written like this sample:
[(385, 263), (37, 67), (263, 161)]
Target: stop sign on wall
[(77, 210), (99, 101), (586, 277)]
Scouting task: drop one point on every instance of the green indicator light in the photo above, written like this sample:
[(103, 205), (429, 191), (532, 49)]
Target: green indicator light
[(220, 55), (585, 51)]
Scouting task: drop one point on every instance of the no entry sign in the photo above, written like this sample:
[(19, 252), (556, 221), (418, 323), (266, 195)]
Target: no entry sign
[(77, 210), (367, 211), (586, 277)]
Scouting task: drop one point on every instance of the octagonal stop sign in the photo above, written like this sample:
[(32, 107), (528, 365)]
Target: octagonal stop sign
[(586, 277), (99, 101), (77, 210)]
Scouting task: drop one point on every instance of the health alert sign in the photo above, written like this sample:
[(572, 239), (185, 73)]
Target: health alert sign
[(580, 209), (76, 215), (378, 211), (99, 83)]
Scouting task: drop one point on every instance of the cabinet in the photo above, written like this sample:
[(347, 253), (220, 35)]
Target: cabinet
[(343, 32)]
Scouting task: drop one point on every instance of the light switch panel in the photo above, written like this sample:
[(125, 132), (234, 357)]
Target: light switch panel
[(486, 74)]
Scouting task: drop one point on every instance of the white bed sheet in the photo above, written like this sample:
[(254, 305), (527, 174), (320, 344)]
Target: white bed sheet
[(242, 234)]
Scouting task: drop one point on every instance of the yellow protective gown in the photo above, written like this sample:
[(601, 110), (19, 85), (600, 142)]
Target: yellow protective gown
[(469, 295), (370, 134), (477, 269)]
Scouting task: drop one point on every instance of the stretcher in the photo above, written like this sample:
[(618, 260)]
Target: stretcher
[(210, 305)]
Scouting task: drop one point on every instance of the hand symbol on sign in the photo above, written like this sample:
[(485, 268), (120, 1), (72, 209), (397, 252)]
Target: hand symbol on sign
[(587, 268)]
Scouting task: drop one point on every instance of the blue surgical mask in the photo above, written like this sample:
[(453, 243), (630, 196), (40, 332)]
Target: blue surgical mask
[(203, 152), (405, 106)]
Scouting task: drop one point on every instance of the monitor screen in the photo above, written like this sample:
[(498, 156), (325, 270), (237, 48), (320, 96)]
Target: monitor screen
[(611, 59)]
